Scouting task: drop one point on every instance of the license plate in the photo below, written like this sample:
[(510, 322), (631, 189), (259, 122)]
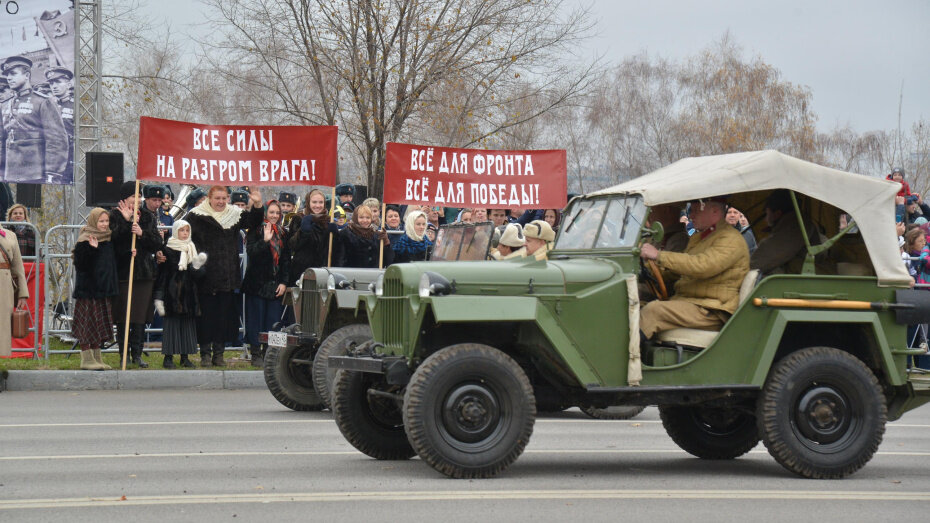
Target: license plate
[(277, 339)]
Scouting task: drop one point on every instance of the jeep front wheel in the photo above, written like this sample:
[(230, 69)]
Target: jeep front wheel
[(339, 343), (822, 413), (287, 375), (710, 432), (368, 417), (469, 411)]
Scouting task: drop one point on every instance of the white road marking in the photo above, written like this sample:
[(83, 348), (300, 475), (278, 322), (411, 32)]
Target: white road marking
[(354, 453), (330, 421), (460, 495)]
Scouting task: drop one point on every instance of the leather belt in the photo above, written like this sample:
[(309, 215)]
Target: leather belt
[(5, 265)]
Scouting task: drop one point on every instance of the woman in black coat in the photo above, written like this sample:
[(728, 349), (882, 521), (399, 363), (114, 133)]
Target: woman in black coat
[(95, 285), (358, 244), (215, 227), (266, 278), (176, 296), (310, 243)]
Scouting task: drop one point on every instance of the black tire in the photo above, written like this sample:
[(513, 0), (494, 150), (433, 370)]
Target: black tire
[(290, 383), (710, 432), (336, 344), (501, 409), (615, 412), (372, 424), (822, 413)]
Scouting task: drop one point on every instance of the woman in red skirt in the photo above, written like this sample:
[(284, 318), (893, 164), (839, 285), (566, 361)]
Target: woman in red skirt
[(96, 283)]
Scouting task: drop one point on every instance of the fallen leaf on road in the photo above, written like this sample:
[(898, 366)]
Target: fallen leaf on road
[(122, 498)]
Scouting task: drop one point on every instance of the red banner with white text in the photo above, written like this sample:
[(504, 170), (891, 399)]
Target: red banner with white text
[(189, 153), (443, 176)]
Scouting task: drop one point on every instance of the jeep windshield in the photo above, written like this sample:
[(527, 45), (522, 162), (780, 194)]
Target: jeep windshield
[(602, 223)]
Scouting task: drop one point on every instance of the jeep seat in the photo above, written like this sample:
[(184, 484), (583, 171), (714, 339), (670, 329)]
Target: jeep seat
[(703, 338)]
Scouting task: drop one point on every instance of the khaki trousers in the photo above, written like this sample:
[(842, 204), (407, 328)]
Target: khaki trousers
[(659, 316)]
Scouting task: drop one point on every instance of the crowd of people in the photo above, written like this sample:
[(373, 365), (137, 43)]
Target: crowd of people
[(913, 228), (186, 275)]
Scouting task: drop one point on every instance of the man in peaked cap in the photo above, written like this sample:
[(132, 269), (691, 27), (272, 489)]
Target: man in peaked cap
[(711, 270), (35, 144), (287, 201), (61, 81), (240, 198)]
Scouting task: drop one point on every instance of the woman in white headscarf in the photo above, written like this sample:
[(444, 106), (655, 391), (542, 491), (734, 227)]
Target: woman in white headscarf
[(176, 297), (413, 245)]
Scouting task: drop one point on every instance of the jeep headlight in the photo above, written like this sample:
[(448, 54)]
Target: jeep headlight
[(377, 286), (434, 284)]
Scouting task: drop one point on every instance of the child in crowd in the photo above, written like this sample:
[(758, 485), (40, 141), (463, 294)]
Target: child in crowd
[(176, 295), (96, 283)]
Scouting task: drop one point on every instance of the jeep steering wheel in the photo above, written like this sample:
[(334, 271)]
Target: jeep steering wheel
[(653, 278)]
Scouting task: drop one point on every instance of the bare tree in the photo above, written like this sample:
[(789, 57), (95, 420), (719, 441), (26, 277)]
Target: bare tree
[(377, 67)]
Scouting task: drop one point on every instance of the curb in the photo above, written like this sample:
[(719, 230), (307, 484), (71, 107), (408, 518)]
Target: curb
[(52, 380)]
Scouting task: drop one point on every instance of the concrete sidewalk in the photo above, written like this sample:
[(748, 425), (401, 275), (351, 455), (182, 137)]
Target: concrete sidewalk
[(22, 380)]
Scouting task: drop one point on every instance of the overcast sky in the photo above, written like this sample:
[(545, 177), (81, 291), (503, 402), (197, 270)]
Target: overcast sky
[(852, 54)]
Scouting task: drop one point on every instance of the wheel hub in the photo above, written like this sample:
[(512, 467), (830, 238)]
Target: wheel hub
[(471, 413), (823, 415)]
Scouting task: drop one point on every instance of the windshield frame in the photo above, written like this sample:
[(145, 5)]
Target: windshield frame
[(609, 201)]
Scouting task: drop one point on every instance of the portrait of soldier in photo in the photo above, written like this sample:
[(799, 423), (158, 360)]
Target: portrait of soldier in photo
[(35, 144), (61, 82)]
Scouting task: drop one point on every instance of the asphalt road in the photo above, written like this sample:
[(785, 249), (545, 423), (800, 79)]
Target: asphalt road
[(240, 456)]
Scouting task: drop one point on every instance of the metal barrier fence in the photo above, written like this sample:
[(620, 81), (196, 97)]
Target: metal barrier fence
[(59, 305), (34, 293)]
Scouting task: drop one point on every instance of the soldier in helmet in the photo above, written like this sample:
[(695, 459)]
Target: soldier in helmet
[(35, 144), (61, 82)]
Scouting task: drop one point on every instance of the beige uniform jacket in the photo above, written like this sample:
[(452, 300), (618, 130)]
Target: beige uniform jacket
[(7, 278), (711, 268)]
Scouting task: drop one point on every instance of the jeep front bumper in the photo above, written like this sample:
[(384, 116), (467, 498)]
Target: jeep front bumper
[(394, 368)]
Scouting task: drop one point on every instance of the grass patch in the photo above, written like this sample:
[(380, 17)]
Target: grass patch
[(73, 361)]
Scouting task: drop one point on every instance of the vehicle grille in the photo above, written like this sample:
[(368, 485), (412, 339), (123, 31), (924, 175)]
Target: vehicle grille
[(311, 304), (393, 305)]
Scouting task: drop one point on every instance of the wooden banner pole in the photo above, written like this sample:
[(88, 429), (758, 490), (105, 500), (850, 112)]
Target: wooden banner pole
[(381, 255), (132, 268), (332, 209)]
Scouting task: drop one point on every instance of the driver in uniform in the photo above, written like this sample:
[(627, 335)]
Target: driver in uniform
[(711, 270)]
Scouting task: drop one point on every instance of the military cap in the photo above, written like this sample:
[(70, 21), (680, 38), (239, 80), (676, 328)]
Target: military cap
[(240, 196), (168, 192), (195, 195), (540, 230), (513, 236), (345, 189), (58, 72), (153, 191), (287, 197), (15, 61)]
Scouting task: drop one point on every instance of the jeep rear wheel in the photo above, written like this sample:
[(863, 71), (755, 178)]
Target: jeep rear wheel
[(710, 432), (615, 412), (822, 413), (371, 422), (339, 343), (289, 381), (469, 411)]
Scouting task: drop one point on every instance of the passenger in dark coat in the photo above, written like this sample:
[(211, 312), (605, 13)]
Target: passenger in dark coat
[(95, 285), (266, 279), (310, 243), (176, 295), (358, 244), (148, 242), (215, 227)]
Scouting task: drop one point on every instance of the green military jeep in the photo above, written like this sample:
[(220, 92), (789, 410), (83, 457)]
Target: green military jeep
[(812, 363)]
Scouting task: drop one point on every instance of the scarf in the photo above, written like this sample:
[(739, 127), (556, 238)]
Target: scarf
[(357, 229), (227, 218), (275, 242), (90, 230), (409, 229), (186, 247)]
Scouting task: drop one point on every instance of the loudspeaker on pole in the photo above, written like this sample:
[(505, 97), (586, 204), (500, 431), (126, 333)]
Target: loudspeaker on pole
[(104, 175)]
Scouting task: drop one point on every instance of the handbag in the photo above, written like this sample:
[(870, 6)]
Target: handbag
[(20, 323)]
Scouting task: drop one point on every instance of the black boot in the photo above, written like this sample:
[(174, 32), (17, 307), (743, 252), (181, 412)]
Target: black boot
[(258, 355), (218, 360), (205, 355), (169, 362), (136, 342), (186, 362)]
